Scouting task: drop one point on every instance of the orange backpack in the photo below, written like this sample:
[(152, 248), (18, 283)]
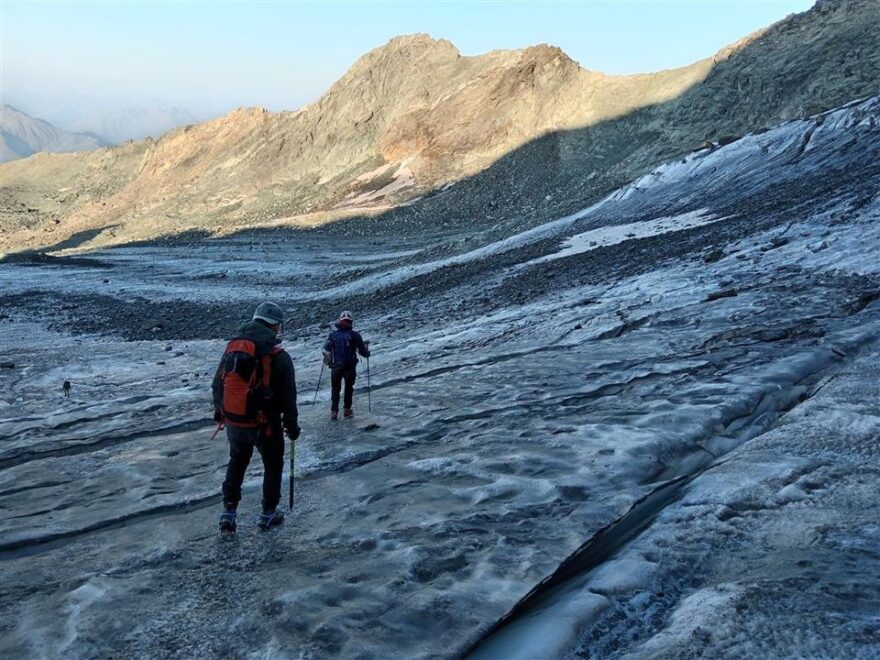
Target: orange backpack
[(245, 372)]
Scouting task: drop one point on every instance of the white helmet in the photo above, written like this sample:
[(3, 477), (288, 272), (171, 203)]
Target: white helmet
[(346, 316)]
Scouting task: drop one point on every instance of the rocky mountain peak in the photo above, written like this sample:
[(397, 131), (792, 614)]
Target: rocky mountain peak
[(403, 55), (547, 54), (419, 41)]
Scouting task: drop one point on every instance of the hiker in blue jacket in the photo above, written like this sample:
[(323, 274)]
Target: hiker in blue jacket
[(340, 354)]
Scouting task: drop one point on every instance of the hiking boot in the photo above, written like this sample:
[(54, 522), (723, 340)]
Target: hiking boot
[(227, 522), (334, 415), (271, 519), (348, 412)]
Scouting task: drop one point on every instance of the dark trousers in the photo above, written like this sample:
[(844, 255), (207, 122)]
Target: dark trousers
[(337, 376), (241, 448)]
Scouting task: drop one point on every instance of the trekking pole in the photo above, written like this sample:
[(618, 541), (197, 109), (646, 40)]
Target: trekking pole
[(315, 400), (292, 454), (369, 398)]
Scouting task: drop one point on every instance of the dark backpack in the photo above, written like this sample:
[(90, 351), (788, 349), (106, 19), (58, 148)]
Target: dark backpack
[(245, 372), (343, 352)]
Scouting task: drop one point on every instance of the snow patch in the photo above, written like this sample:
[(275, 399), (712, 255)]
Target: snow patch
[(613, 234)]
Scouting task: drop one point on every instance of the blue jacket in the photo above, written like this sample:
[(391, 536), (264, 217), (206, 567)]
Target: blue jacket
[(343, 345)]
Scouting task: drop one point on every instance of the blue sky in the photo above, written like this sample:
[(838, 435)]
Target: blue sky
[(214, 56)]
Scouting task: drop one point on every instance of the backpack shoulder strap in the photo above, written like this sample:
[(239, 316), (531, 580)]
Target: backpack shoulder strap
[(266, 353)]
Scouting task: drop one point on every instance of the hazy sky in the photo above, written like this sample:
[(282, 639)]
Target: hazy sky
[(213, 56)]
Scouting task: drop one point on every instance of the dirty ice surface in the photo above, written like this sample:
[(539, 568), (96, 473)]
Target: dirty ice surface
[(664, 444)]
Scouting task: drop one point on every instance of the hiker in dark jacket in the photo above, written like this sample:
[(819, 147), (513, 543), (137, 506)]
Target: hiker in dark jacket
[(340, 353), (277, 411)]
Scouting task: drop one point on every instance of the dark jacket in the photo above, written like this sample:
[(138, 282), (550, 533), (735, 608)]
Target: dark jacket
[(282, 381), (343, 345)]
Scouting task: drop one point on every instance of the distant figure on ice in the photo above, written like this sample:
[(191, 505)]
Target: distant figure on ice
[(340, 354), (254, 396), (66, 389)]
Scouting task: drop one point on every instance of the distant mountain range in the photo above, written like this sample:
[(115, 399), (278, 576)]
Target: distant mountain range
[(119, 125), (22, 135), (81, 113), (526, 132)]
